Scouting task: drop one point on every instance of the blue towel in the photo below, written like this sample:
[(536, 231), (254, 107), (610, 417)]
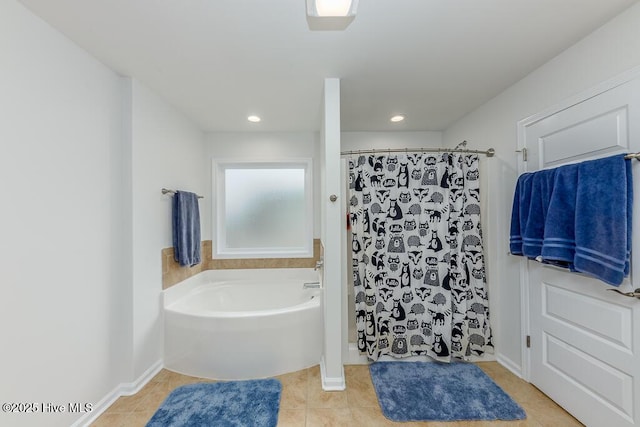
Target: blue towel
[(627, 264), (534, 226), (186, 228), (559, 243), (577, 216), (521, 201), (603, 218), (531, 200)]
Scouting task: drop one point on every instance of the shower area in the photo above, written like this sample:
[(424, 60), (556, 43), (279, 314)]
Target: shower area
[(414, 259)]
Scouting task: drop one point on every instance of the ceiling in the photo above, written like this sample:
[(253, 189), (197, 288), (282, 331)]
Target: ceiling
[(219, 61)]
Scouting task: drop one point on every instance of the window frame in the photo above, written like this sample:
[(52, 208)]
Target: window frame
[(220, 249)]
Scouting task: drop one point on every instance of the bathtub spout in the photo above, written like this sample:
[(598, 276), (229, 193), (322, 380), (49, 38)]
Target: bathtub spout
[(310, 285)]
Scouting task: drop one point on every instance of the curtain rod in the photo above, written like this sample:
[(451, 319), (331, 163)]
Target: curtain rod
[(489, 153)]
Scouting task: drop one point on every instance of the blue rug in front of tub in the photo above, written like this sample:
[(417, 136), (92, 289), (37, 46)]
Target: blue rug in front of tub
[(232, 403), (433, 391)]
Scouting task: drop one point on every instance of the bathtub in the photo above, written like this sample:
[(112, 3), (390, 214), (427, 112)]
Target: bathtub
[(243, 324)]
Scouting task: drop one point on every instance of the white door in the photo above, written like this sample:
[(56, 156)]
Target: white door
[(584, 339)]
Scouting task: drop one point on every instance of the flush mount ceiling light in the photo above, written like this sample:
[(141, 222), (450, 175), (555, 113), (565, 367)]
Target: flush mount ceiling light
[(330, 15), (254, 119), (396, 119)]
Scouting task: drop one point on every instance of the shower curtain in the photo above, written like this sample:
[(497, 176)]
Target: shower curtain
[(418, 263)]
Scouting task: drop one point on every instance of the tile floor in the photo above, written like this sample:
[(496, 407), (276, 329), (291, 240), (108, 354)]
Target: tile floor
[(304, 403)]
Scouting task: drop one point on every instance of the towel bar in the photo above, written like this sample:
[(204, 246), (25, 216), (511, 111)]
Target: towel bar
[(167, 191)]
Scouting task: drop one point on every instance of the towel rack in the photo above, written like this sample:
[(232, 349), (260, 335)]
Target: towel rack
[(633, 156), (167, 191)]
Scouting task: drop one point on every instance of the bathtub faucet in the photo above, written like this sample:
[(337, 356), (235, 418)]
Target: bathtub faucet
[(310, 285)]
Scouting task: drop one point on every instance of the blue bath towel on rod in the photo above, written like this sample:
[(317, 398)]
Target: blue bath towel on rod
[(521, 202), (530, 204), (186, 228), (559, 242), (577, 216), (603, 218)]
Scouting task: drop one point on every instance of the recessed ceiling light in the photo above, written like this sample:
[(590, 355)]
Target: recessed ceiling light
[(330, 15), (334, 7), (397, 118), (254, 119)]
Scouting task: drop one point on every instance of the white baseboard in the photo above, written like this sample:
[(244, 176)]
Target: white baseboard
[(354, 357), (129, 389), (515, 368), (123, 389), (332, 383)]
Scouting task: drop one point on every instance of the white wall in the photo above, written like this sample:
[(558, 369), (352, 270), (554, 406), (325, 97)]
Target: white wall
[(264, 146), (381, 140), (84, 156), (611, 50), (167, 150), (64, 309)]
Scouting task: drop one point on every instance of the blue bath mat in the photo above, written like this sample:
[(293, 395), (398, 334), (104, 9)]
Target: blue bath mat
[(233, 403), (432, 391)]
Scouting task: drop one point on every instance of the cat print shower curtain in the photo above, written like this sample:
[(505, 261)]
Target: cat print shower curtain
[(418, 263)]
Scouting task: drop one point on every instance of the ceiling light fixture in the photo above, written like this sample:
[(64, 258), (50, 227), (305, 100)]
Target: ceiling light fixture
[(398, 118), (330, 15), (254, 119)]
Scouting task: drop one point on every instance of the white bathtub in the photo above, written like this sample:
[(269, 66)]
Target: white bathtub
[(243, 324)]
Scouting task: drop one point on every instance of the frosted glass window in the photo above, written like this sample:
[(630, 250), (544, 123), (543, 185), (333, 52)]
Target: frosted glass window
[(263, 209)]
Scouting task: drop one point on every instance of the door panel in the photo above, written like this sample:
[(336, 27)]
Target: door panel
[(605, 383), (600, 134), (585, 350), (596, 127), (582, 346), (594, 316)]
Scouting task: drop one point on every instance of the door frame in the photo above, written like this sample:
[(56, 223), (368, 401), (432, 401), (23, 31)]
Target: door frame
[(521, 148)]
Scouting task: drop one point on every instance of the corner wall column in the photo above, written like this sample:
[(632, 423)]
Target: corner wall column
[(331, 365)]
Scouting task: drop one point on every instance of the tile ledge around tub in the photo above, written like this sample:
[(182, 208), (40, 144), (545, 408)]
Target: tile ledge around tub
[(172, 274)]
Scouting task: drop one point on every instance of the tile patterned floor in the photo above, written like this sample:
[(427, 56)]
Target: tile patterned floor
[(304, 403)]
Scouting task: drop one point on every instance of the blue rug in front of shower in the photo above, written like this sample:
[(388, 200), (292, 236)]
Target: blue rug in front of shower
[(234, 403), (433, 391)]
